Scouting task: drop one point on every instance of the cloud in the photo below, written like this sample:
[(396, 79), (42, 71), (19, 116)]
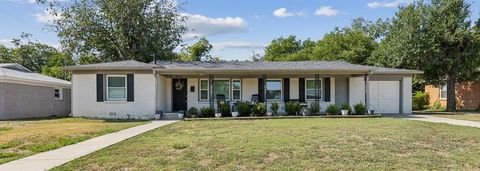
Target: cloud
[(388, 4), (327, 11), (283, 12), (7, 43), (200, 25), (220, 46), (46, 17)]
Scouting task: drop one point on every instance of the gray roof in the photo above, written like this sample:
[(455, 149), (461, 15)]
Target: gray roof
[(12, 71), (119, 65)]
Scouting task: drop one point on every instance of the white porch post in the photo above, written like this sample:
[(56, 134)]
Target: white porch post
[(210, 82), (367, 89), (264, 78)]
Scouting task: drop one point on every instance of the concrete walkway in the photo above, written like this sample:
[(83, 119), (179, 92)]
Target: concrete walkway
[(428, 118), (50, 159)]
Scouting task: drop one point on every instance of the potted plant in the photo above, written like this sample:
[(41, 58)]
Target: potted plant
[(371, 112), (259, 109), (193, 112), (345, 109), (292, 108), (224, 109), (181, 114), (331, 109), (158, 115), (244, 109), (360, 108), (274, 109)]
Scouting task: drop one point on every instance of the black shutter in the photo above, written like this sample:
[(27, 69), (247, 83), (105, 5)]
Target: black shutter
[(301, 88), (286, 90), (261, 90), (99, 87), (130, 88), (327, 89)]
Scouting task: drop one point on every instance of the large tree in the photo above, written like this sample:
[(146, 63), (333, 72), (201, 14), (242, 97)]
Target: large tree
[(114, 30), (435, 37), (199, 51)]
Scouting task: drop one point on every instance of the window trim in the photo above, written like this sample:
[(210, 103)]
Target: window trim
[(320, 88), (60, 93), (200, 90), (281, 88), (440, 92), (125, 87), (232, 89)]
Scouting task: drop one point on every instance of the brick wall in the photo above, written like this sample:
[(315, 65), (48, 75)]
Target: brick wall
[(468, 95)]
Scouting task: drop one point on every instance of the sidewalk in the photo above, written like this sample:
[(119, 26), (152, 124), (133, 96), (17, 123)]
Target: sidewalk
[(50, 159), (428, 118)]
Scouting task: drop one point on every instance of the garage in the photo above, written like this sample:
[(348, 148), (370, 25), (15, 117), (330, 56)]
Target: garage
[(385, 96)]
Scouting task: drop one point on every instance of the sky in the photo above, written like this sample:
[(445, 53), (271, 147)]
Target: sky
[(235, 28)]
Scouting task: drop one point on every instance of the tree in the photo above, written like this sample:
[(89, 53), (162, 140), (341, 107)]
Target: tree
[(198, 51), (280, 48), (142, 30), (436, 38)]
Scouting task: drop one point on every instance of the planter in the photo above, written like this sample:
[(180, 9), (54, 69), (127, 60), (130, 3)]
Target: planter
[(269, 114), (157, 116), (234, 114), (180, 116), (344, 112), (218, 115), (371, 112)]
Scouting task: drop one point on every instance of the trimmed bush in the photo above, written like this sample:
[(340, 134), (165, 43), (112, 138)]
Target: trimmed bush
[(346, 106), (243, 109), (420, 100), (193, 112), (437, 107), (259, 109), (274, 108), (331, 109), (207, 112), (224, 108), (292, 108), (314, 108), (360, 108)]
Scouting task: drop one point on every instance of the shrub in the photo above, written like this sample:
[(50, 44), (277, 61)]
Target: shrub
[(259, 109), (346, 106), (420, 100), (331, 109), (437, 107), (274, 107), (193, 111), (360, 108), (207, 112), (292, 108), (314, 108), (243, 109), (224, 108)]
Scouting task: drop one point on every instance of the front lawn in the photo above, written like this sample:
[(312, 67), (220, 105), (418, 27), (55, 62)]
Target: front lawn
[(293, 144), (23, 138), (461, 116)]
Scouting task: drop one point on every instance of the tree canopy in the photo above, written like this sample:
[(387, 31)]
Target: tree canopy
[(199, 51)]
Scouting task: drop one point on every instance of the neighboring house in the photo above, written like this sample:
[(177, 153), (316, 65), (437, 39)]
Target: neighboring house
[(131, 89), (467, 93), (25, 94)]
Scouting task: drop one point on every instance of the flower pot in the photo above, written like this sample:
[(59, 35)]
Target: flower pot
[(371, 112), (344, 112), (218, 115), (234, 114), (269, 114), (157, 116), (180, 116)]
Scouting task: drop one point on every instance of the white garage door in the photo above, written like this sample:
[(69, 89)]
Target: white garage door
[(385, 96)]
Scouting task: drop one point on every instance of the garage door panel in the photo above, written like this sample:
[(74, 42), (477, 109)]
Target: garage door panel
[(385, 96)]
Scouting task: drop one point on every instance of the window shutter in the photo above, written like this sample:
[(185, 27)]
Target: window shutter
[(301, 88), (327, 89), (130, 88), (286, 90), (261, 90), (100, 87)]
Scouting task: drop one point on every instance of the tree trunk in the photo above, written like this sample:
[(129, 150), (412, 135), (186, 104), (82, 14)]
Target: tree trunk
[(451, 95)]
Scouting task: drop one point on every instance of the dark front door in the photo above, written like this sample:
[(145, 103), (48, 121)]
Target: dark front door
[(179, 101)]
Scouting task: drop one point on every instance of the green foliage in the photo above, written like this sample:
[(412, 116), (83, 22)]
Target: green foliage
[(281, 47), (207, 112), (259, 109), (437, 107), (331, 109), (120, 30), (292, 108), (244, 109), (346, 106), (224, 108), (274, 107), (314, 108), (199, 51), (193, 111), (420, 100), (360, 108)]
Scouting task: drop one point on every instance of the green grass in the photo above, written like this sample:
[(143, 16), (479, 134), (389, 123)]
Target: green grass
[(23, 138), (293, 144)]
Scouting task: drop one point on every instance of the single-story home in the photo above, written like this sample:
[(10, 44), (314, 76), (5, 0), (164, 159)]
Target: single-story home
[(131, 89), (25, 94), (467, 94)]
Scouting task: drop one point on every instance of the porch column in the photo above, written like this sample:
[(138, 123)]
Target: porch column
[(317, 78), (264, 78), (210, 82), (366, 78)]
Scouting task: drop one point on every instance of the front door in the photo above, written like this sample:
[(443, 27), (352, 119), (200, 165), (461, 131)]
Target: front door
[(179, 101)]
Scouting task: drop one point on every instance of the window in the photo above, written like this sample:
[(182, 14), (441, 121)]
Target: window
[(203, 89), (236, 89), (443, 91), (116, 87), (222, 87), (310, 89), (58, 93), (274, 89)]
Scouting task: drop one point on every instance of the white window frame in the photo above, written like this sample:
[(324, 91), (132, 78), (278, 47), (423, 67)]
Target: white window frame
[(229, 87), (281, 88), (232, 89), (60, 92), (320, 88), (125, 87), (200, 89), (441, 89)]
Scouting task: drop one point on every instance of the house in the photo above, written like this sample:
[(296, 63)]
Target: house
[(131, 89), (467, 94), (25, 94)]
